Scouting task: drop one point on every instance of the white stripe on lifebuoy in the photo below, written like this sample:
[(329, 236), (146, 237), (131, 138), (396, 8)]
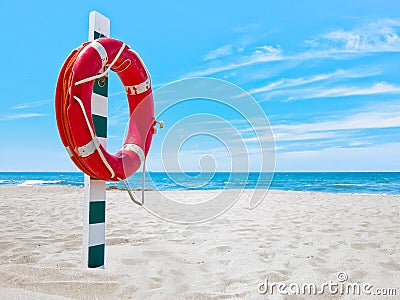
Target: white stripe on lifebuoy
[(89, 148), (102, 52), (138, 88), (135, 148)]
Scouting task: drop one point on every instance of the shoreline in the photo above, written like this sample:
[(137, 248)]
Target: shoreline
[(116, 188)]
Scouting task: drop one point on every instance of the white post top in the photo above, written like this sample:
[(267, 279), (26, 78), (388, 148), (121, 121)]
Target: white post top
[(99, 23)]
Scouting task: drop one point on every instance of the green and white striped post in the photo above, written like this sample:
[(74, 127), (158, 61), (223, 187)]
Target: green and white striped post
[(95, 190)]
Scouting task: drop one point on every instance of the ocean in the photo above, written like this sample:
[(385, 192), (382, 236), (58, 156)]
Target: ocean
[(333, 182)]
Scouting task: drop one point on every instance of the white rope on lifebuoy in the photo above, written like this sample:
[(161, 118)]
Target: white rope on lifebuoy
[(94, 137), (106, 71)]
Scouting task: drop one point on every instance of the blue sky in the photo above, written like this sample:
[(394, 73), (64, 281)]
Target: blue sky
[(326, 74)]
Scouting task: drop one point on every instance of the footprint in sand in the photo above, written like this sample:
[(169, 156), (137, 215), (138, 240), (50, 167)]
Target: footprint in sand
[(155, 282), (267, 257), (277, 276), (27, 259), (309, 243), (284, 272), (357, 275), (365, 224), (140, 241), (224, 262), (116, 241), (324, 250), (221, 249), (372, 233), (390, 265), (364, 246), (66, 264), (326, 272), (128, 292), (4, 246), (388, 251), (134, 261), (155, 253), (316, 261), (175, 273), (244, 230), (237, 287)]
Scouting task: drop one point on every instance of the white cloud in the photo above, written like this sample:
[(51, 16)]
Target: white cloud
[(362, 120), (378, 88), (31, 104), (259, 54), (219, 52), (384, 115), (358, 144), (322, 91), (382, 157), (293, 82), (295, 136), (21, 116), (379, 36)]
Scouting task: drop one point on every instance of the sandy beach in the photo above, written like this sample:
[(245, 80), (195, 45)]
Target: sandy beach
[(292, 237)]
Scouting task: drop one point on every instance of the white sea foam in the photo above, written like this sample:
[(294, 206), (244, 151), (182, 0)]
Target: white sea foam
[(348, 184), (38, 182)]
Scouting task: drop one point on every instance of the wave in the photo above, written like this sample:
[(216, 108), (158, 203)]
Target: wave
[(348, 184), (39, 182)]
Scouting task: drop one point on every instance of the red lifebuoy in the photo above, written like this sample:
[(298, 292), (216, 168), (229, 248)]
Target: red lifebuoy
[(74, 108)]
